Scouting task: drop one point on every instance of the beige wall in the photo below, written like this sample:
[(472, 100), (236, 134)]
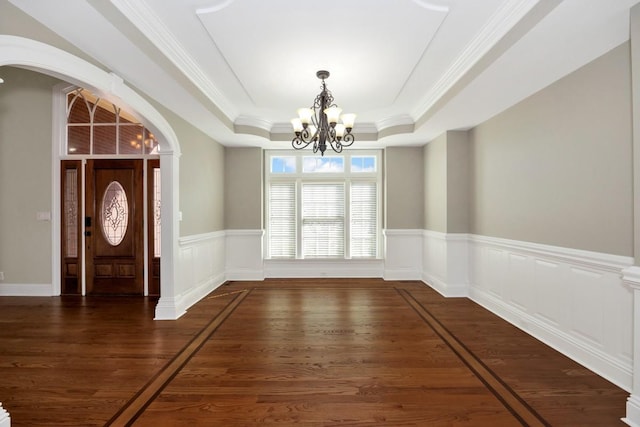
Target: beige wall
[(435, 184), (243, 188), (25, 175), (201, 178), (404, 188), (446, 183), (457, 182), (556, 168)]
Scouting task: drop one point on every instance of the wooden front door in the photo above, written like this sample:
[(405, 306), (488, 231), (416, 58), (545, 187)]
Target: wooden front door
[(114, 239)]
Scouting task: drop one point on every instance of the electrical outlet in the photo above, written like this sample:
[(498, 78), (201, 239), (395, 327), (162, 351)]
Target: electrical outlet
[(1, 276)]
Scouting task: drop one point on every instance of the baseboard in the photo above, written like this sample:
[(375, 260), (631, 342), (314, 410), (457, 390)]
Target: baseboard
[(317, 268), (402, 274), (633, 411), (26, 290), (245, 275), (445, 289), (615, 370)]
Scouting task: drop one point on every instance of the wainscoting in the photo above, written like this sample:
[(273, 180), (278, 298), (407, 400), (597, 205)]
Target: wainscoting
[(573, 300), (201, 267)]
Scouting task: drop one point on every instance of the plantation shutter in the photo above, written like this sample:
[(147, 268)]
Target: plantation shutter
[(282, 220), (364, 219), (323, 220)]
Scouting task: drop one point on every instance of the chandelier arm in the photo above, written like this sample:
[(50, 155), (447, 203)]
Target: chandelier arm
[(347, 140), (336, 146), (299, 143)]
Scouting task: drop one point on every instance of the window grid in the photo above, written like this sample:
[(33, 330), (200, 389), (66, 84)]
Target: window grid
[(295, 230)]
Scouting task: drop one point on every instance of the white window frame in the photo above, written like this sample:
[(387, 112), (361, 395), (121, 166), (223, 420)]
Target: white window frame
[(347, 177)]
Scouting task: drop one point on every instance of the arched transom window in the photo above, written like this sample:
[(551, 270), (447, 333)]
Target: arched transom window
[(96, 126)]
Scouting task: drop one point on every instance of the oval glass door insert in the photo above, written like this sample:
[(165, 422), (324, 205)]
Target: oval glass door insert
[(114, 213)]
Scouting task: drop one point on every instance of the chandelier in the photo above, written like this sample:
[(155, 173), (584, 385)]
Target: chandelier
[(319, 124)]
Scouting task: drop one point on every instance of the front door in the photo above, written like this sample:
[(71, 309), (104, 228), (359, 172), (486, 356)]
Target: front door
[(114, 239)]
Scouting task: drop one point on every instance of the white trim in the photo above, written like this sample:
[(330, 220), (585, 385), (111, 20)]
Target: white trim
[(57, 136), (598, 260), (26, 290), (147, 21), (5, 419), (243, 255), (502, 21), (597, 359), (573, 300), (195, 239), (201, 264), (402, 254), (318, 268), (633, 411), (446, 263)]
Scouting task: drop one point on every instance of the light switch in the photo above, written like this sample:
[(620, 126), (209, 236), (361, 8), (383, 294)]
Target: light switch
[(43, 216)]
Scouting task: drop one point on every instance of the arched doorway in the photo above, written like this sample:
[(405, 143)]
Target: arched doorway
[(37, 56)]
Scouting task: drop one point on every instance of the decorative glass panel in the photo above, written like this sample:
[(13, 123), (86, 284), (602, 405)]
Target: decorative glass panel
[(71, 213), (363, 164), (114, 213), (156, 212), (323, 164), (283, 164)]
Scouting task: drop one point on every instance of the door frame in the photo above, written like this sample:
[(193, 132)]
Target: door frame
[(84, 193)]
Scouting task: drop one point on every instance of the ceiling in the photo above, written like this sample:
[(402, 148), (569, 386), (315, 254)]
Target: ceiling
[(410, 69)]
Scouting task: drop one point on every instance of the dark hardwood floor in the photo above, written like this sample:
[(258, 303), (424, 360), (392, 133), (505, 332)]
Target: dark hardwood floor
[(316, 352)]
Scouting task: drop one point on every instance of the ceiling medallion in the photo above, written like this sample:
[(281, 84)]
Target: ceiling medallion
[(319, 124)]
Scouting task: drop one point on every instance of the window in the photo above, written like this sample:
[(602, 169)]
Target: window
[(282, 219), (323, 220), (96, 126), (322, 207)]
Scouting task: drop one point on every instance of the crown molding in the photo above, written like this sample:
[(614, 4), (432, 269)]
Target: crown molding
[(508, 15), (143, 17), (253, 126)]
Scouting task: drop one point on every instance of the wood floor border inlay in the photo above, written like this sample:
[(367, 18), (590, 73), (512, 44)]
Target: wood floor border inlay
[(514, 403), (132, 409)]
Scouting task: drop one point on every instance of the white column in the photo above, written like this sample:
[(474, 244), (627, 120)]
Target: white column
[(169, 306)]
